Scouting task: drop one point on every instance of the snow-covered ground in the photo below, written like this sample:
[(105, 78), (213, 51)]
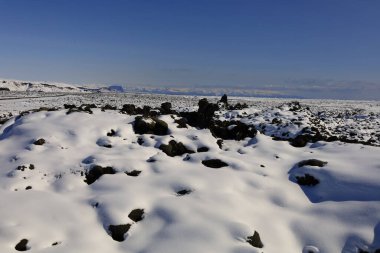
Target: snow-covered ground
[(76, 182), (353, 120)]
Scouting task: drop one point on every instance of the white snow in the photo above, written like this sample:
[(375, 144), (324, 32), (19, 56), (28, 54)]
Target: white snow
[(256, 192)]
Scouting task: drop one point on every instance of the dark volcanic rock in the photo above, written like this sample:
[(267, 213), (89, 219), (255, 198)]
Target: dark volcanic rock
[(68, 106), (203, 116), (109, 107), (182, 122), (300, 141), (312, 162), (175, 148), (307, 180), (136, 215), (118, 231), (111, 133), (39, 142), (224, 99), (183, 192), (214, 163), (83, 108), (238, 106), (232, 130), (22, 245), (140, 141), (219, 142), (129, 109), (166, 108), (202, 149), (96, 172), (150, 126), (21, 167), (255, 240), (133, 173)]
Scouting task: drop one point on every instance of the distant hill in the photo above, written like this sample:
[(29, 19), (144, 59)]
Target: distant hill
[(16, 85)]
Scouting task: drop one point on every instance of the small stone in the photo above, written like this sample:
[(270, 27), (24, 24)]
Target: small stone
[(39, 142), (22, 245), (183, 192), (133, 173), (96, 172), (214, 163), (202, 149), (136, 215), (312, 162), (255, 240), (307, 180), (175, 148), (118, 231)]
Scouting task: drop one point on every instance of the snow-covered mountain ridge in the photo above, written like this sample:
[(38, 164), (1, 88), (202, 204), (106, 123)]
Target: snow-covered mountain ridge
[(51, 87)]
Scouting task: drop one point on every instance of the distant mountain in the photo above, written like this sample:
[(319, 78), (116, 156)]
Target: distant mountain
[(16, 85), (116, 88)]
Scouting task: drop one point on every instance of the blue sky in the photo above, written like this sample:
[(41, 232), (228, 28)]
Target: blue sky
[(309, 48)]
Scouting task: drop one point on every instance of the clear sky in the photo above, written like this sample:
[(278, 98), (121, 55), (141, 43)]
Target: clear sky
[(311, 48)]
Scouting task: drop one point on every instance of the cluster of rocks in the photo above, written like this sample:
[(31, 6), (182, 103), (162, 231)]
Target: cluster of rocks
[(82, 108), (118, 231), (204, 118)]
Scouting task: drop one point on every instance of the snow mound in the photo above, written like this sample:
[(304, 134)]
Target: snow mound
[(141, 199)]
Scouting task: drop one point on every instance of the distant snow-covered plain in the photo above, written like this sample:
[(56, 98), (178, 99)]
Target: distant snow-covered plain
[(92, 182)]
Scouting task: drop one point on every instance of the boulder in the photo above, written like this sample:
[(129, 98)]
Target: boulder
[(150, 125), (175, 148), (214, 163), (118, 231), (96, 172), (255, 240)]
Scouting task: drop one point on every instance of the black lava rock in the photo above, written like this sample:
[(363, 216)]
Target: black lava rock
[(214, 163), (182, 122), (22, 245), (312, 162), (232, 130), (133, 173), (39, 142), (136, 215), (109, 107), (255, 240), (224, 99), (166, 108), (118, 231), (150, 126), (307, 180), (96, 172), (202, 149), (129, 109), (203, 116), (183, 192), (300, 141), (111, 133), (175, 148)]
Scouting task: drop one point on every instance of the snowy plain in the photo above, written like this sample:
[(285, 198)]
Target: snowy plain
[(186, 205)]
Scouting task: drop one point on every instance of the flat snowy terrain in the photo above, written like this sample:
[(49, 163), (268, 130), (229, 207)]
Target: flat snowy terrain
[(276, 176)]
